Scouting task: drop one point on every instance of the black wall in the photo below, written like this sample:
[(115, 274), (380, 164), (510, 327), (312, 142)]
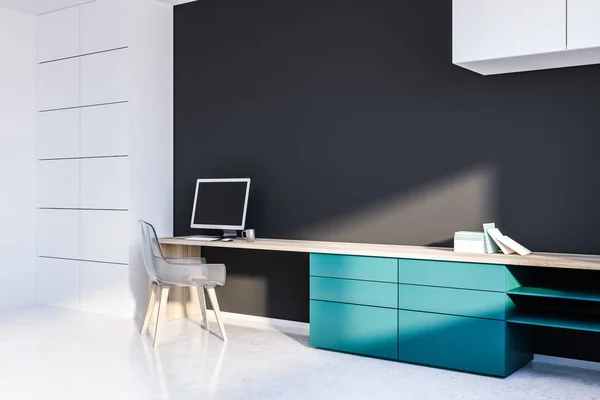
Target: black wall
[(339, 108)]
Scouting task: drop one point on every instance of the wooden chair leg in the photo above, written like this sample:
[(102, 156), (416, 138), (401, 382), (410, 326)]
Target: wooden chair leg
[(150, 308), (215, 305), (202, 300), (164, 294)]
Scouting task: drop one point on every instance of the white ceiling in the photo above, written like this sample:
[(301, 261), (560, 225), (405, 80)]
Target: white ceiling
[(44, 6)]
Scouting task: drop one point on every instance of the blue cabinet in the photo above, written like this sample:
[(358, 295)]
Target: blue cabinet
[(445, 314)]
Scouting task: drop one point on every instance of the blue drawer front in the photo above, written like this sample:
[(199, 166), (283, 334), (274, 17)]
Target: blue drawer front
[(453, 274), (463, 343), (357, 292), (354, 267), (469, 303), (371, 331)]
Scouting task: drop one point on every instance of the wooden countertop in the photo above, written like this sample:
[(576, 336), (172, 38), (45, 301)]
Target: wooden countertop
[(552, 260)]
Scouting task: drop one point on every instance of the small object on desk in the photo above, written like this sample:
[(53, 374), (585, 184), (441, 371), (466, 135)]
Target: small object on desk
[(469, 242), (227, 239), (249, 235), (202, 238)]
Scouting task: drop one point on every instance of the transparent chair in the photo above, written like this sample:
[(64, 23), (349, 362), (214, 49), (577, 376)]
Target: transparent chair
[(166, 273)]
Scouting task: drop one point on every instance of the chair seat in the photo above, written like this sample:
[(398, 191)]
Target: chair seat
[(187, 261), (190, 272)]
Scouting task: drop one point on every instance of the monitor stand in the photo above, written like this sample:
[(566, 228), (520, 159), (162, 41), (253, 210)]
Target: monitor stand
[(229, 234)]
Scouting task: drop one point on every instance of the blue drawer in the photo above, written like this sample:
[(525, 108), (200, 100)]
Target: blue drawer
[(453, 274), (468, 303), (356, 292), (354, 267), (370, 331)]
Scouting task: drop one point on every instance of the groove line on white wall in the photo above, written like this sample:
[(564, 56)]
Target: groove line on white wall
[(82, 158), (86, 106), (79, 259), (83, 55), (84, 209)]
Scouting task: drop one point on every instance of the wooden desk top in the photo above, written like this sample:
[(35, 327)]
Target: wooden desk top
[(552, 260)]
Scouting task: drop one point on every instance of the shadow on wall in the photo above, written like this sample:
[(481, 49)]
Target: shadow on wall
[(427, 214)]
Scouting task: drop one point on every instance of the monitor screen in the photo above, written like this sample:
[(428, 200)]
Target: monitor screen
[(220, 204)]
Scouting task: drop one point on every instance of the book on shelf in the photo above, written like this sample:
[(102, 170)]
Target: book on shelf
[(490, 245), (506, 244), (469, 242), (491, 240)]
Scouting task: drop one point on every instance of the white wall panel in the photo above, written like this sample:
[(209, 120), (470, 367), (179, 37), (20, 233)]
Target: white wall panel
[(58, 134), (105, 236), (58, 34), (58, 183), (96, 17), (58, 233), (58, 283), (105, 77), (105, 130), (105, 288), (105, 183), (58, 84)]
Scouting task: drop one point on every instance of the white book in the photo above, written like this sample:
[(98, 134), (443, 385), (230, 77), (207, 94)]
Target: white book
[(490, 245), (469, 246), (496, 235), (508, 242)]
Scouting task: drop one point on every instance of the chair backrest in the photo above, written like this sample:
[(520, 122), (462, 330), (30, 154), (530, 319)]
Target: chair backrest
[(151, 251)]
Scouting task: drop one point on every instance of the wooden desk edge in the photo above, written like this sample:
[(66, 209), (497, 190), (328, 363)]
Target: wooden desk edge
[(550, 260)]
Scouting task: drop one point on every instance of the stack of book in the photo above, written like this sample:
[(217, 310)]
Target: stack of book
[(469, 242), (491, 240)]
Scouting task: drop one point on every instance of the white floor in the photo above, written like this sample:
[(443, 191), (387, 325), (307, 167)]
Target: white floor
[(47, 353)]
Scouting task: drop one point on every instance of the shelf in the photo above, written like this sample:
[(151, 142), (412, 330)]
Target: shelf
[(556, 293), (557, 321)]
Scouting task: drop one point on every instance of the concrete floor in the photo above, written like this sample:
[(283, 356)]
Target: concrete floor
[(48, 353)]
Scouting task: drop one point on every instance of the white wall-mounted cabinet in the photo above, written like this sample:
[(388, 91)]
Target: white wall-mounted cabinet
[(58, 84), (105, 183), (105, 77), (487, 29), (58, 134), (58, 183), (96, 17), (58, 34), (583, 24), (105, 136), (502, 36), (58, 282), (105, 130), (58, 233)]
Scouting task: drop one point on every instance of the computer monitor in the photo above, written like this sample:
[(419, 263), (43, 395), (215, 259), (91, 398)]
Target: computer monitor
[(221, 204)]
